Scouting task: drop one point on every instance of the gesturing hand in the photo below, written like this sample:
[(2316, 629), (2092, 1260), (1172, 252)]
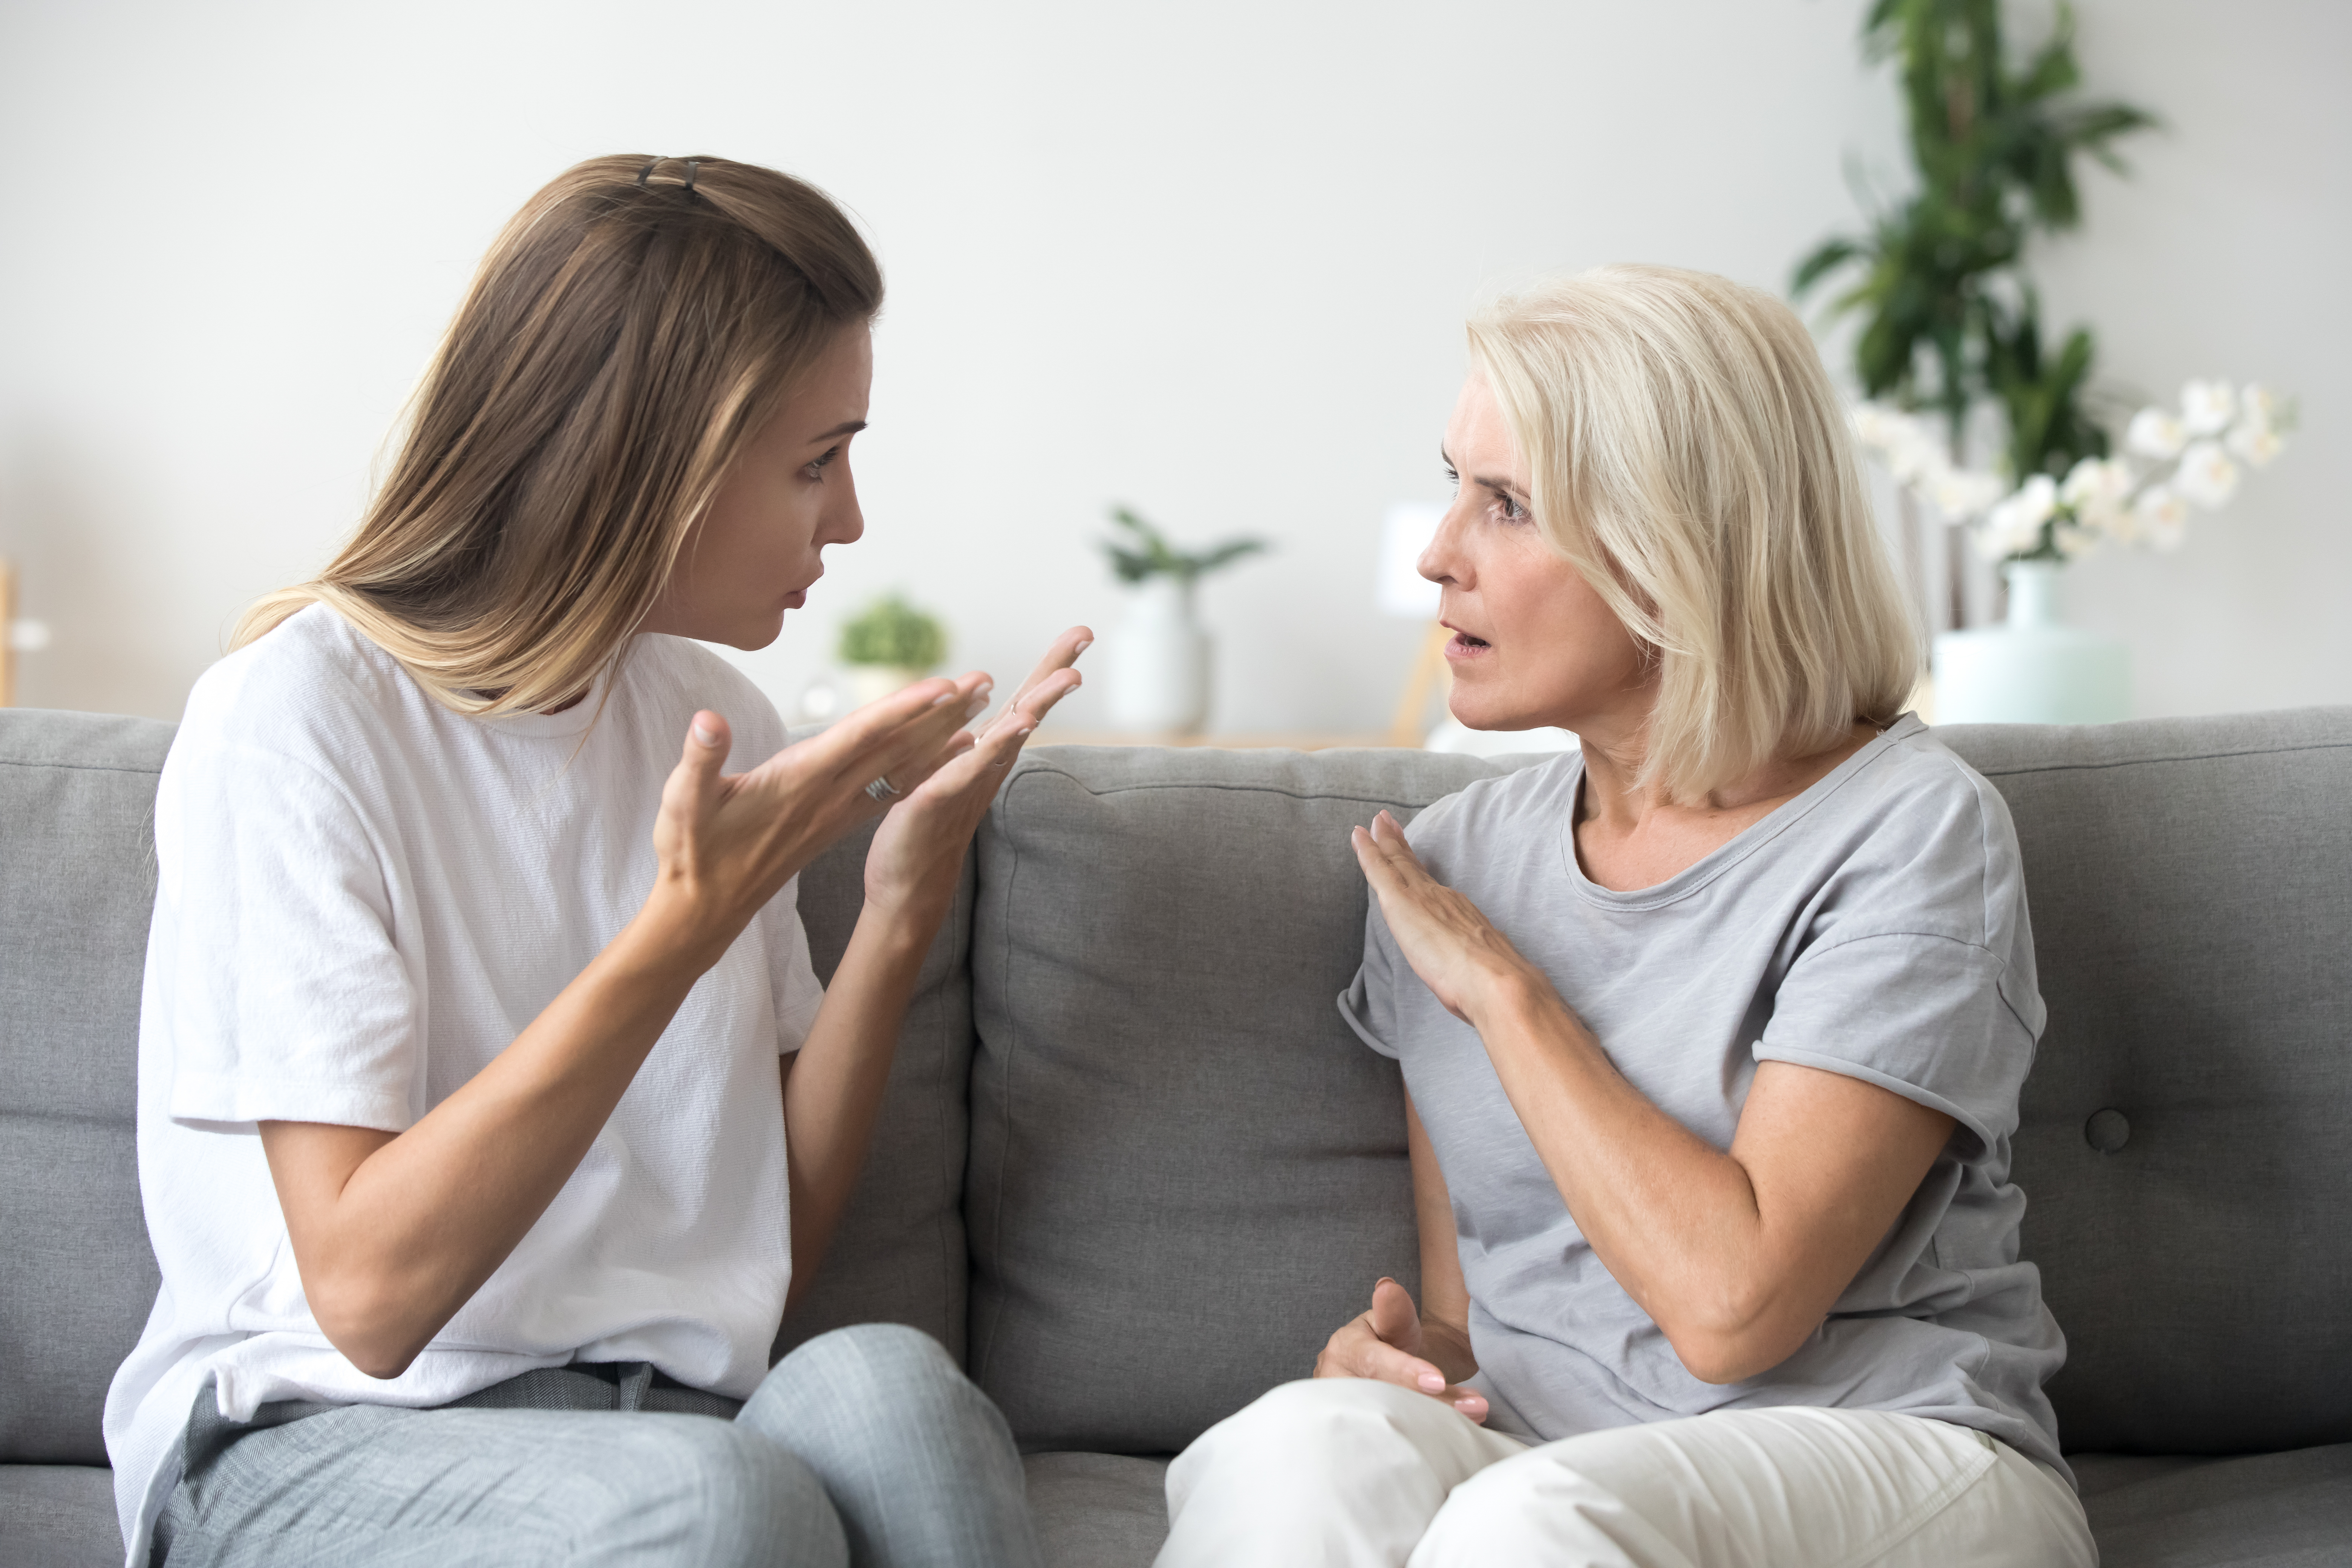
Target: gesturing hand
[(918, 852), (1450, 944), (727, 843), (1385, 1343)]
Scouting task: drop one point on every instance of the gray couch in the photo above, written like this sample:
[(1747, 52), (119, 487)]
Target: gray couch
[(1133, 1169)]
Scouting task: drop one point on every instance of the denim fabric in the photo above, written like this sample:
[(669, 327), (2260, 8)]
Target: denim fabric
[(864, 1446)]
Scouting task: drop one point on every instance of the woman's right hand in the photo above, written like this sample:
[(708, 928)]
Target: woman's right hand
[(727, 843), (1385, 1343)]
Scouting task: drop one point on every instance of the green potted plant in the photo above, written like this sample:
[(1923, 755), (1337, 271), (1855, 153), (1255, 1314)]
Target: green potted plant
[(1159, 661), (889, 645)]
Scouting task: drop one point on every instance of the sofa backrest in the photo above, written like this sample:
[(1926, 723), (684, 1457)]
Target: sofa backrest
[(77, 886), (1186, 1170), (2182, 1147)]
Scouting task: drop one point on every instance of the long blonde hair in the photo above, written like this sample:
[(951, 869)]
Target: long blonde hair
[(636, 323), (1690, 457)]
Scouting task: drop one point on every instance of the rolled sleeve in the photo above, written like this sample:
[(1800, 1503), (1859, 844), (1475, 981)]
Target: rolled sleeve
[(1920, 1016)]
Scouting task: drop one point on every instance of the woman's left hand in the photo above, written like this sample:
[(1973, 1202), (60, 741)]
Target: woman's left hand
[(918, 852), (1457, 953)]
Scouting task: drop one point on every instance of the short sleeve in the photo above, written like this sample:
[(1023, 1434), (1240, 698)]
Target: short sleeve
[(288, 1000), (798, 991), (1920, 1016), (1369, 1003)]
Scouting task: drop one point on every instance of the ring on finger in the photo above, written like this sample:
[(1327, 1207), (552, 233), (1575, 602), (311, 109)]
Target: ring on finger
[(882, 790)]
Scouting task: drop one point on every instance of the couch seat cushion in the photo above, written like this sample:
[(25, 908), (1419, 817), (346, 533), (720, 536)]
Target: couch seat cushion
[(1098, 1510), (2258, 1510)]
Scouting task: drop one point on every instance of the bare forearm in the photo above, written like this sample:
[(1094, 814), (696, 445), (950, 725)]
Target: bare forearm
[(1675, 1219), (391, 1247), (834, 1084)]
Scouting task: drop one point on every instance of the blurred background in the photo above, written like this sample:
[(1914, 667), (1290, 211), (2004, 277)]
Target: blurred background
[(1209, 260)]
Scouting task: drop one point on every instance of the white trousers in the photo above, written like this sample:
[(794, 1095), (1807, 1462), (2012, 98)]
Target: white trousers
[(1343, 1472)]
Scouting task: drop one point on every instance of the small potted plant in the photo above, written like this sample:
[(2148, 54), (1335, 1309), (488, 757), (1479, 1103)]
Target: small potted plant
[(889, 645), (1159, 662)]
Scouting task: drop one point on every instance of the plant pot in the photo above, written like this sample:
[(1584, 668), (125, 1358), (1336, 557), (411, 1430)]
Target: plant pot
[(2034, 669), (873, 682), (1158, 662)]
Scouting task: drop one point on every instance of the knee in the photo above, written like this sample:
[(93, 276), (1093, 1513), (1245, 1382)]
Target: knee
[(693, 1490), (1317, 1429), (875, 1358)]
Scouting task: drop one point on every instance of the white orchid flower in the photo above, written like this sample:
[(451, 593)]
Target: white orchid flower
[(2096, 490), (2259, 406), (2162, 517), (1963, 493), (2073, 543), (2256, 443), (2206, 475), (2153, 433), (2208, 406)]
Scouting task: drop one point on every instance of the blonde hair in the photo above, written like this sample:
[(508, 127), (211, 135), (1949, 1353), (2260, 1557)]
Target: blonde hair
[(633, 327), (1689, 456)]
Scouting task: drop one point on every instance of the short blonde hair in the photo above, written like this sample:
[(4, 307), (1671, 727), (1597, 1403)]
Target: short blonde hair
[(632, 328), (1689, 455)]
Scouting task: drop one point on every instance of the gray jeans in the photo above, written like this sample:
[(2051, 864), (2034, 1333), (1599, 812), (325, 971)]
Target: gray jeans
[(866, 1445)]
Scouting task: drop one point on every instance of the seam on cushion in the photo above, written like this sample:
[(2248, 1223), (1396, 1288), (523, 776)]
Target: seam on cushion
[(1011, 1044), (81, 767), (2022, 769), (948, 1258), (127, 1123), (1236, 789)]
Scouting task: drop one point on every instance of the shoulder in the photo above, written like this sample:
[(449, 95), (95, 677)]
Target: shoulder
[(313, 691), (1926, 841), (677, 676), (1521, 800)]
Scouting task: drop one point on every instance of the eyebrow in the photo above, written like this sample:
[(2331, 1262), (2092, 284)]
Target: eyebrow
[(851, 429), (1500, 486)]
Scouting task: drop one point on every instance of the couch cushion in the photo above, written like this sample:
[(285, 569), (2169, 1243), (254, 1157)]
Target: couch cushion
[(2265, 1511), (1098, 1510), (898, 1254), (58, 1516), (2181, 1146), (1186, 1170), (77, 810)]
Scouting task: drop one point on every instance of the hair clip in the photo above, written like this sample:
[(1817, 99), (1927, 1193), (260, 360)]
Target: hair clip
[(691, 164), (648, 169)]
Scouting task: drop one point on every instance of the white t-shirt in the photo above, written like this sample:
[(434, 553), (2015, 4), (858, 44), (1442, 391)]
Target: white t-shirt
[(361, 898)]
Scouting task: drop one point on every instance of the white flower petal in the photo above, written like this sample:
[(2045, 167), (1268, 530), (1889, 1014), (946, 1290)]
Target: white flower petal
[(2206, 475), (2153, 433), (2208, 406)]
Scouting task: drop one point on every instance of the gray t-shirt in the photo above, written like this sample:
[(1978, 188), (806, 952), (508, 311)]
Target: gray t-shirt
[(1873, 926)]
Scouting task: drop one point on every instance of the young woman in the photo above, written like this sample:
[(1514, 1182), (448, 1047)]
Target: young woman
[(1712, 1035), (490, 1114)]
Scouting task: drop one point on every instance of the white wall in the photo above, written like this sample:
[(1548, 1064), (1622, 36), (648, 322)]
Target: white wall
[(1211, 259)]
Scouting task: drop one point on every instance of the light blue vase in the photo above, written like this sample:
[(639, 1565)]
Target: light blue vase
[(2034, 669)]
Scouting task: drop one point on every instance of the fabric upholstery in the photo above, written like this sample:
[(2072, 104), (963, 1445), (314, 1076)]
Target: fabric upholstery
[(77, 870), (2190, 883), (898, 1256), (1098, 1510), (1186, 1170), (58, 1516), (2263, 1510)]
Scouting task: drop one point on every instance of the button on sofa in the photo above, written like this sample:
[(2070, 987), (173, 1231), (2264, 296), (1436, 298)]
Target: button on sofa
[(1133, 1169)]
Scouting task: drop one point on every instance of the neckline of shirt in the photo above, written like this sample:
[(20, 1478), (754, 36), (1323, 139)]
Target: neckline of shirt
[(1700, 872)]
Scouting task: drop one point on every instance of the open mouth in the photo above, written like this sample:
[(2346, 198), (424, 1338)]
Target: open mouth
[(1465, 646)]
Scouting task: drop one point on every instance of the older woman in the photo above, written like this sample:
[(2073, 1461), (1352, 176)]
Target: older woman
[(1712, 1035)]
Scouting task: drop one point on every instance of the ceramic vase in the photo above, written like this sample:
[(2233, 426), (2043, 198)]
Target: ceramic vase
[(1159, 662), (2034, 669)]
